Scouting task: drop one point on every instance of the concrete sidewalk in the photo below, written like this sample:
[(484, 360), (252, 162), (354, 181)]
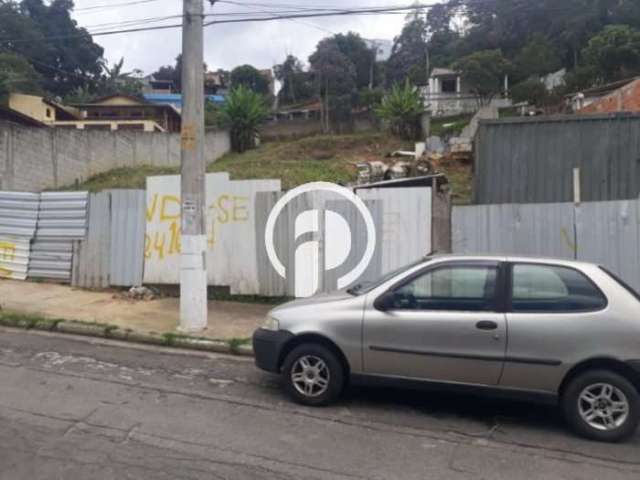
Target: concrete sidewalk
[(227, 320)]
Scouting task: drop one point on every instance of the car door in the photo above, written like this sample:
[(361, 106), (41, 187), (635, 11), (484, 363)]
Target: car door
[(445, 323), (554, 316)]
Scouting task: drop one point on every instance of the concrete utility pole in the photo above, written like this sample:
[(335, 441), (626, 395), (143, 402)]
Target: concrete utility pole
[(193, 269)]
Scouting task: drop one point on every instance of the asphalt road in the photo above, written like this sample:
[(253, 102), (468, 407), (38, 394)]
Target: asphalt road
[(87, 409)]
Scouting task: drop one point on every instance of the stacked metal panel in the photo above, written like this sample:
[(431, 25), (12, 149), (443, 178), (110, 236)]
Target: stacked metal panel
[(18, 219), (62, 219)]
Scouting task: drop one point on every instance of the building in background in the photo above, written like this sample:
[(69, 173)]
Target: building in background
[(383, 48), (625, 98), (447, 94), (41, 109)]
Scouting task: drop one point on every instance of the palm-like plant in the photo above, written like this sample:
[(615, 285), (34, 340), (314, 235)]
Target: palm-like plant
[(401, 108), (242, 113)]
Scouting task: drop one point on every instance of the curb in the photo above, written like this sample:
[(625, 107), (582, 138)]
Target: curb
[(111, 332)]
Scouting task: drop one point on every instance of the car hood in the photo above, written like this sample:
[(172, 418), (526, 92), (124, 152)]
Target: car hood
[(312, 301)]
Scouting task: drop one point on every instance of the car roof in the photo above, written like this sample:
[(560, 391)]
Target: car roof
[(515, 258)]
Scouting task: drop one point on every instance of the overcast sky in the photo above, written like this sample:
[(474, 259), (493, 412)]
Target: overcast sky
[(226, 46)]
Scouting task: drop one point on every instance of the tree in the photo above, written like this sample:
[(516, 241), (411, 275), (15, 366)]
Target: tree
[(614, 53), (354, 48), (63, 53), (250, 77), (18, 76), (532, 91), (335, 77), (117, 81), (408, 59), (243, 112), (297, 85), (484, 72), (538, 57), (402, 109), (171, 73)]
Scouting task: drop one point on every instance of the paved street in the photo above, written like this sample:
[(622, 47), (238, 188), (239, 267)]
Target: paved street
[(87, 409)]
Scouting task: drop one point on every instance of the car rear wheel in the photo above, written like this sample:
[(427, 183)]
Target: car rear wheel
[(313, 375), (602, 405)]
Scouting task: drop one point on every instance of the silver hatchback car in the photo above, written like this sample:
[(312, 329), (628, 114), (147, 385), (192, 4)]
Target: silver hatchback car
[(540, 329)]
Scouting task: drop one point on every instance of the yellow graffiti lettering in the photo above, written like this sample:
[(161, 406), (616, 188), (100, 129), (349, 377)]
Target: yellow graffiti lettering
[(174, 244), (151, 211), (159, 242), (147, 246), (7, 251), (224, 216), (166, 212), (5, 272), (240, 209)]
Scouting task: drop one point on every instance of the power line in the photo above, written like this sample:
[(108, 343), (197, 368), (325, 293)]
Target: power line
[(113, 5)]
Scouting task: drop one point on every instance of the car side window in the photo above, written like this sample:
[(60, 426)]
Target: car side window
[(457, 288), (546, 288)]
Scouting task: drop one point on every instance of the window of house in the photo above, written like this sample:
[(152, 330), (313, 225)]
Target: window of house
[(48, 113), (455, 288), (544, 288), (449, 85)]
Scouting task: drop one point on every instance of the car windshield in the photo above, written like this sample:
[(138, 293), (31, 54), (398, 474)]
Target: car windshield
[(366, 287)]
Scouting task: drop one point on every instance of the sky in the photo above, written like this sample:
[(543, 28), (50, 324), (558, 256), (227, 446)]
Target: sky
[(226, 46)]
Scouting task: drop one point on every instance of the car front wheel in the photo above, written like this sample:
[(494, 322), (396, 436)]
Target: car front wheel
[(313, 375), (602, 405)]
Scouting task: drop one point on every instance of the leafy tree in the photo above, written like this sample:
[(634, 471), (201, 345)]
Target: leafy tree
[(401, 109), (335, 78), (484, 72), (442, 39), (250, 77), (538, 57), (117, 81), (171, 73), (297, 85), (354, 48), (408, 59), (18, 76), (532, 91), (614, 53), (63, 53), (243, 112)]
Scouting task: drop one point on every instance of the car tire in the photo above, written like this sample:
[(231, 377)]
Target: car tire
[(313, 375), (602, 405)]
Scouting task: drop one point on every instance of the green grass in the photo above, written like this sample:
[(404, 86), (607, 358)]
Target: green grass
[(330, 158), (124, 177), (311, 159)]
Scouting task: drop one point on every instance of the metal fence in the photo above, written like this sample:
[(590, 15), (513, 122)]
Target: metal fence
[(533, 160), (18, 220), (607, 233), (62, 219), (112, 254)]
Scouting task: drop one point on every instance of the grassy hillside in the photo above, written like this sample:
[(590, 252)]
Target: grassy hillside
[(318, 158)]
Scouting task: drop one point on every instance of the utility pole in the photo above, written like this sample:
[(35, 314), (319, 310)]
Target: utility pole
[(193, 268)]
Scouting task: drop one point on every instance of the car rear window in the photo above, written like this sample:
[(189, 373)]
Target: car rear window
[(622, 283)]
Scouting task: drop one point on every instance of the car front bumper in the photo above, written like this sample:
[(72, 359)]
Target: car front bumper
[(267, 348)]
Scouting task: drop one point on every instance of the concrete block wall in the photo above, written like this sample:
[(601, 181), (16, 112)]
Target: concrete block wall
[(34, 159)]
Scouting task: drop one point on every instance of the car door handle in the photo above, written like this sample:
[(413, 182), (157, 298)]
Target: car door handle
[(487, 325)]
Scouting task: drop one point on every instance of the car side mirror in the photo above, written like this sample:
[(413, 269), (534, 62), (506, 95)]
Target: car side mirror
[(385, 302)]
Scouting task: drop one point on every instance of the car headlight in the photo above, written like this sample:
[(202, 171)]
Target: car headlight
[(271, 323)]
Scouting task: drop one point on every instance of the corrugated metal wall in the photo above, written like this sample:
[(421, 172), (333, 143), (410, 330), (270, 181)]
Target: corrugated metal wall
[(18, 220), (532, 160), (606, 233), (113, 252), (62, 219), (402, 218)]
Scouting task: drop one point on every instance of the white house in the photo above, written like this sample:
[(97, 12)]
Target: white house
[(447, 94)]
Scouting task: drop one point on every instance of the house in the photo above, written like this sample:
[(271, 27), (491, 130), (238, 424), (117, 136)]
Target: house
[(623, 99), (216, 83), (40, 109), (447, 94), (12, 116), (175, 99), (578, 101), (151, 84)]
